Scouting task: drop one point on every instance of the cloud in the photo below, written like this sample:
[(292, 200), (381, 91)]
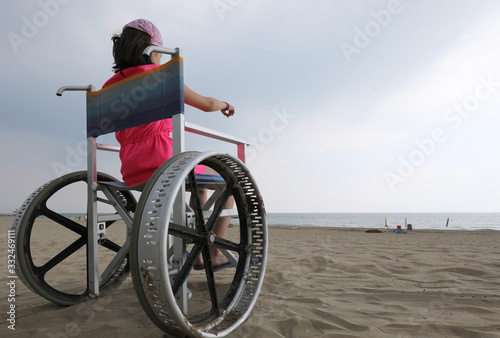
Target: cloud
[(353, 120)]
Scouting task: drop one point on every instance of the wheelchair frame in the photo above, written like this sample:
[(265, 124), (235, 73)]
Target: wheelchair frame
[(172, 213)]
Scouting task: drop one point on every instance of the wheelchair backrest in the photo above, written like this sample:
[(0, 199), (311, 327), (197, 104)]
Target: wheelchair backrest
[(146, 97)]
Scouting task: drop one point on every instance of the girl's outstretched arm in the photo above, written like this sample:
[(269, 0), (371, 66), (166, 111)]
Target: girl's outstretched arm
[(207, 104)]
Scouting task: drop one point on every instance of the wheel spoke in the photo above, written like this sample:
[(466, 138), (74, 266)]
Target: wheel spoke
[(195, 197), (222, 243), (183, 232), (217, 210), (209, 271), (186, 268), (64, 221), (68, 251)]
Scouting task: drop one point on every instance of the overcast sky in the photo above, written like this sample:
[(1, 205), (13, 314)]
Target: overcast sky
[(350, 106)]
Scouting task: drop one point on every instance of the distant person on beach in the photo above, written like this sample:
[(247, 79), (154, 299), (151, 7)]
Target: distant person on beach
[(144, 148)]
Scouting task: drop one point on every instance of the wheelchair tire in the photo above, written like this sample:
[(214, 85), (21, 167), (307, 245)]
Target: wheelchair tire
[(58, 271), (217, 302)]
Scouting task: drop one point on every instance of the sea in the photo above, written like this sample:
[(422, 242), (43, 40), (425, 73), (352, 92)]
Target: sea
[(436, 221)]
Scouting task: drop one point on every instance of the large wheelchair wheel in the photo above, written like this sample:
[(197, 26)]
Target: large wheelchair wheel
[(180, 300), (57, 268)]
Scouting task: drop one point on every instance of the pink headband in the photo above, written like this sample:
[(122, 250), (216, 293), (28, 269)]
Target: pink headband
[(147, 27)]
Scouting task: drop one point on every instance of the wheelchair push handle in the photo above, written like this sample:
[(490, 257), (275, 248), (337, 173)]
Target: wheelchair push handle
[(89, 88), (173, 52)]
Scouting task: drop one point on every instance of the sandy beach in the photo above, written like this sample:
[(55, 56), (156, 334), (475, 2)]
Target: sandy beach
[(320, 282)]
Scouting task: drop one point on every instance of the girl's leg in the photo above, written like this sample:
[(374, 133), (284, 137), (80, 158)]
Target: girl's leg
[(220, 227), (203, 199)]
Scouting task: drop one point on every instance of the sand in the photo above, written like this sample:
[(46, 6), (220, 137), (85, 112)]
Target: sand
[(320, 282)]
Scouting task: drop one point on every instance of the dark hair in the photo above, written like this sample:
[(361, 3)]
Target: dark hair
[(128, 48)]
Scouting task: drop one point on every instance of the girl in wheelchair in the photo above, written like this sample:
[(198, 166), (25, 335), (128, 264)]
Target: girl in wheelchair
[(144, 148)]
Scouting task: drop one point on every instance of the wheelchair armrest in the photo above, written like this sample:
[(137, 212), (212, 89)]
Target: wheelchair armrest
[(195, 129), (240, 143)]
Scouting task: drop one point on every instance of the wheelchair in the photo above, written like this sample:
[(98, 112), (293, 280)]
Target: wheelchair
[(158, 237)]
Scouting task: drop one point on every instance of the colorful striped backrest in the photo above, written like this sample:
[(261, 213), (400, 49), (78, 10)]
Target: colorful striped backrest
[(146, 97)]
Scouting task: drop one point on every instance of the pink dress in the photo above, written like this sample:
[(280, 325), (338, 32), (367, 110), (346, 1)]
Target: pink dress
[(143, 148)]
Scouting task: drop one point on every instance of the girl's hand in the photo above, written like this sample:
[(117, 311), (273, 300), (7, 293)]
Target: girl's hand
[(228, 111)]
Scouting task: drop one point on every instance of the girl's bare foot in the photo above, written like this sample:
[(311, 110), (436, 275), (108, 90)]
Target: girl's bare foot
[(218, 259)]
